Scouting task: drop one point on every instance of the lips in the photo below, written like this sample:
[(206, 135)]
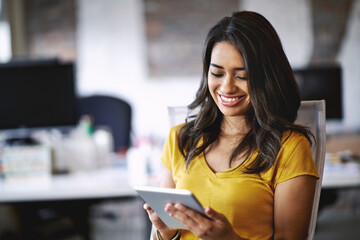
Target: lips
[(230, 101)]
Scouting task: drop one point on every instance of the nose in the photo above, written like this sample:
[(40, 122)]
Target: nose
[(228, 84)]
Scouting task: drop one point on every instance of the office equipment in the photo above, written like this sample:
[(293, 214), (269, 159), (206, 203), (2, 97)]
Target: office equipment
[(24, 163), (112, 112), (37, 94), (322, 82), (158, 197)]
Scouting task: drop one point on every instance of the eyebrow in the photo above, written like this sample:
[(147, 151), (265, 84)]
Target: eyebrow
[(217, 66)]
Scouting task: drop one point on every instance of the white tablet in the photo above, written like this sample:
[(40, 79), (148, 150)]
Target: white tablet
[(158, 197)]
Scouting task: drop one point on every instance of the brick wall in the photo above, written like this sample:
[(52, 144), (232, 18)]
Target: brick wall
[(176, 31), (50, 28)]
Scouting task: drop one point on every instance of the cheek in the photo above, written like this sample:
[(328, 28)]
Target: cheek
[(248, 101), (211, 84), (212, 89), (244, 86)]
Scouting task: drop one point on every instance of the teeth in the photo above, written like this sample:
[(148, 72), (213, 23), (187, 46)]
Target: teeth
[(229, 99)]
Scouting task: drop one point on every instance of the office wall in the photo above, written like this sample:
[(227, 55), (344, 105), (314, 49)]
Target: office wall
[(108, 41), (350, 60), (50, 28), (111, 59), (111, 56)]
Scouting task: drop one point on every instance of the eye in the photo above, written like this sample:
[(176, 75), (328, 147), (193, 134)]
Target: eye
[(217, 74), (241, 77)]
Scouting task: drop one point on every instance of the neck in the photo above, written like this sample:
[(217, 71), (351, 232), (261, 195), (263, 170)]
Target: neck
[(236, 126)]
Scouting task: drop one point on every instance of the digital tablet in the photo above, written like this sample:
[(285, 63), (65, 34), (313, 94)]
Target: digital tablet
[(158, 197)]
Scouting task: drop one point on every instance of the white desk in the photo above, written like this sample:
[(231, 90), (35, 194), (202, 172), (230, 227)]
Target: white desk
[(98, 184), (341, 176), (70, 194), (106, 184), (113, 183)]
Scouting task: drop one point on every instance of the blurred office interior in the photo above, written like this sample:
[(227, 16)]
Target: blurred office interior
[(147, 53)]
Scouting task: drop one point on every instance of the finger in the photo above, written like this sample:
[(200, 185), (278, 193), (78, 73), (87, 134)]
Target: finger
[(211, 213), (188, 217), (147, 207), (196, 216), (187, 221), (193, 220), (152, 214)]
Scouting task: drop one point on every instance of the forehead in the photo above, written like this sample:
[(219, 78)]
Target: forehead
[(226, 54)]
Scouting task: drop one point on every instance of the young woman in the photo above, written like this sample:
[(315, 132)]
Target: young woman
[(241, 155)]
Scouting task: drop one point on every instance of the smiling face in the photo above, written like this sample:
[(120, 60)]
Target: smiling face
[(227, 80)]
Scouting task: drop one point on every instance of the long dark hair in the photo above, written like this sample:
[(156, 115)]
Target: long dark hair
[(273, 91)]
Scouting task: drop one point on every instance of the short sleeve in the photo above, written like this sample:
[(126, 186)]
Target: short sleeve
[(295, 159), (170, 148)]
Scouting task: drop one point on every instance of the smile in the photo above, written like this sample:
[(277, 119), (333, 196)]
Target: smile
[(230, 101)]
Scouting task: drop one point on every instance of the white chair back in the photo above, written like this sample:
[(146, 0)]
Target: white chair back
[(310, 114), (178, 114)]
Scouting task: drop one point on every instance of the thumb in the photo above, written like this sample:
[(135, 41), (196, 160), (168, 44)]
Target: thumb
[(211, 213)]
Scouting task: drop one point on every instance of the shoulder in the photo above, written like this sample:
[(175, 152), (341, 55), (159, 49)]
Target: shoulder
[(291, 138), (175, 130), (173, 133), (171, 154), (294, 158), (294, 145)]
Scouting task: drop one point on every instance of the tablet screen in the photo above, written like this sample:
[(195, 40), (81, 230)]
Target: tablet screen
[(158, 197)]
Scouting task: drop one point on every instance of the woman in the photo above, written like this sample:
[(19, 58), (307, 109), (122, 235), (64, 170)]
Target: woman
[(242, 155)]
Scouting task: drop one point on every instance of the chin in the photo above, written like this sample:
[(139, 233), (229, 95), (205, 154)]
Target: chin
[(234, 111)]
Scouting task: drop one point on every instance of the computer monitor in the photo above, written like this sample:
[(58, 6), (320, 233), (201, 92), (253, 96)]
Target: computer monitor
[(37, 94), (316, 83)]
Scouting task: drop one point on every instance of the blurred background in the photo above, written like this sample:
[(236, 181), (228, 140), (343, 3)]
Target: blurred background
[(147, 53)]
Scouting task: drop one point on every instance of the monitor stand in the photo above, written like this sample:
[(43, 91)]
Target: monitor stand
[(21, 141), (19, 137)]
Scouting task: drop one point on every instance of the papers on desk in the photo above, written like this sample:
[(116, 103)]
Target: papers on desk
[(25, 163), (340, 174)]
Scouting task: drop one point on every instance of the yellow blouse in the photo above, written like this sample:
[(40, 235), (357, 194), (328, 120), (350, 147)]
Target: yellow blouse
[(247, 200)]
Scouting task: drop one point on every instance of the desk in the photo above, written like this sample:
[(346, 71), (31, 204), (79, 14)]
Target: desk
[(78, 191), (99, 184), (341, 176), (338, 177), (71, 195), (113, 183)]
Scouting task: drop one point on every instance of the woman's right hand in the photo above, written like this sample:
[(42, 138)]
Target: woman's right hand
[(165, 231)]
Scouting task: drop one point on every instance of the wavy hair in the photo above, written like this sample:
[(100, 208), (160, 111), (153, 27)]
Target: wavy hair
[(273, 91)]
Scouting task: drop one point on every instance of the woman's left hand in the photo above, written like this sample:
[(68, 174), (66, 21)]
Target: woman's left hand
[(215, 227)]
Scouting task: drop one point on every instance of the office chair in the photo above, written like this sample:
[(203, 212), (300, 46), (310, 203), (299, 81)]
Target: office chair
[(111, 112), (310, 114)]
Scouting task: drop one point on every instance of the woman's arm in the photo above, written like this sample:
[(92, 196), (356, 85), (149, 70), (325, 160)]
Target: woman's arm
[(166, 178), (293, 206)]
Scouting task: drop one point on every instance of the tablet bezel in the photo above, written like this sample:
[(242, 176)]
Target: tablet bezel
[(158, 197)]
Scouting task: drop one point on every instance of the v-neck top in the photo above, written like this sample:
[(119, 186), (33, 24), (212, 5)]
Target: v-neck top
[(247, 200)]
